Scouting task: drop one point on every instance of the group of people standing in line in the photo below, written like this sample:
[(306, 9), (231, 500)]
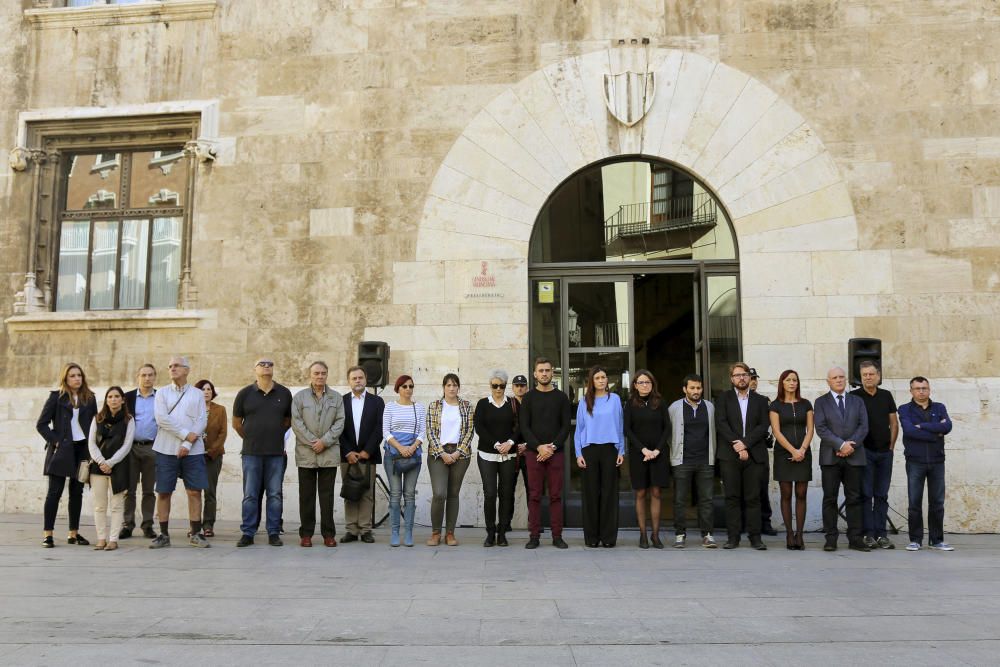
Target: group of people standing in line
[(153, 437)]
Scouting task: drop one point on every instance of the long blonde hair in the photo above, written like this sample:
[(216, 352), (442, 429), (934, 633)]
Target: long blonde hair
[(84, 395)]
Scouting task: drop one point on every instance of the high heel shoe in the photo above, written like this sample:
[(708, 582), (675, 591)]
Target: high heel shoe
[(800, 543), (643, 541), (655, 541), (790, 542)]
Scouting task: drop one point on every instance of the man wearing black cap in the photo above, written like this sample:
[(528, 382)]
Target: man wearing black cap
[(765, 479), (520, 387)]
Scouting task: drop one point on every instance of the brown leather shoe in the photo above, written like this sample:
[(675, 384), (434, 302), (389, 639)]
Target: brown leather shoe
[(434, 540), (329, 541), (450, 540), (306, 542)]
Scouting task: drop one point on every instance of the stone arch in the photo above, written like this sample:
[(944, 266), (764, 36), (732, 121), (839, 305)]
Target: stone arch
[(789, 205)]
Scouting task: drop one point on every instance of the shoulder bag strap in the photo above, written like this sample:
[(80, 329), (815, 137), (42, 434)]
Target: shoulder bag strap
[(183, 394)]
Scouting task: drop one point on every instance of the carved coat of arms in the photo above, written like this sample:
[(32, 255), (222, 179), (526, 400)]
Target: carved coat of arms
[(629, 95)]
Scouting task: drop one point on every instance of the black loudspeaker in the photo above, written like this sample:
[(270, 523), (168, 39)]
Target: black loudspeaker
[(373, 356), (862, 349)]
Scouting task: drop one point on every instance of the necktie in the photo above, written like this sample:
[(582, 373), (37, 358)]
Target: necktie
[(840, 404)]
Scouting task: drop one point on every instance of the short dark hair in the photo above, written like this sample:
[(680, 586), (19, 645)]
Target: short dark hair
[(539, 361), (450, 377), (919, 378), (200, 384), (692, 377), (146, 365), (400, 381), (868, 363), (356, 368)]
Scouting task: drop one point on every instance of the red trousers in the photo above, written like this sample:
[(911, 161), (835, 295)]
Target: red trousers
[(550, 471)]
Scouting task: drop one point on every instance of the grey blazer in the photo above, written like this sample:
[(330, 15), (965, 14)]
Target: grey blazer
[(833, 429)]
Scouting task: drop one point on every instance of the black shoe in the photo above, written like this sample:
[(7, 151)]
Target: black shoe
[(731, 544), (368, 538), (767, 529), (593, 545), (489, 541), (149, 533), (643, 541), (559, 543), (48, 542), (502, 540), (349, 537), (245, 541), (532, 543), (831, 545), (79, 539), (275, 540), (858, 545), (608, 545), (758, 544), (125, 533), (655, 540)]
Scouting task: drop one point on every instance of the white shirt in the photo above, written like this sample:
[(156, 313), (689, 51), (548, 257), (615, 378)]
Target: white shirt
[(451, 424), (74, 426), (189, 416), (744, 403), (357, 407)]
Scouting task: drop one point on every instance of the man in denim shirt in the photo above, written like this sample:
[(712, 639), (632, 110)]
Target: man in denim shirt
[(924, 424)]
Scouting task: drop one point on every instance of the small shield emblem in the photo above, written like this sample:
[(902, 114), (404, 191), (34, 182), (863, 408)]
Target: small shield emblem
[(629, 95)]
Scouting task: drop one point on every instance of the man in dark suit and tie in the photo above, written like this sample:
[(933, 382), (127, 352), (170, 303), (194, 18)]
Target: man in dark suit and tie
[(841, 424), (359, 443), (741, 424)]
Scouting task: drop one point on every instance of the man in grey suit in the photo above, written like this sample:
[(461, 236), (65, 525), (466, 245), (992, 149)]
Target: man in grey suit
[(841, 424)]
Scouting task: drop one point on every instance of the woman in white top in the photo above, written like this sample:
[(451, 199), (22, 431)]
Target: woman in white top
[(449, 450), (403, 431), (109, 443)]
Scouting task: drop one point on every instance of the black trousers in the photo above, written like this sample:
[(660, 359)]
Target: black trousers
[(765, 499), (499, 481), (704, 478), (311, 481), (850, 476), (56, 486), (741, 482), (600, 494), (141, 466)]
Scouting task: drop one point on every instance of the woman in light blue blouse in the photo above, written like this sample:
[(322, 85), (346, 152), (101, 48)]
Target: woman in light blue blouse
[(403, 429), (600, 450)]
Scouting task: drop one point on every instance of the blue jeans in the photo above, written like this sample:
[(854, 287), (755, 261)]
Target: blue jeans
[(401, 485), (269, 470), (916, 474), (875, 492)]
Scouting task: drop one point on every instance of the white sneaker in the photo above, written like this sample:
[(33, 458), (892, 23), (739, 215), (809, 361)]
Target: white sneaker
[(679, 541), (708, 542), (913, 546), (942, 546)]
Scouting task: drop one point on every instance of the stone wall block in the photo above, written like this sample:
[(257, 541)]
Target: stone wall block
[(418, 282), (839, 272), (695, 74), (758, 277), (923, 272), (753, 103), (722, 91)]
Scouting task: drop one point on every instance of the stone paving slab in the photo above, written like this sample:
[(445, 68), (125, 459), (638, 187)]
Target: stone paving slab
[(364, 604)]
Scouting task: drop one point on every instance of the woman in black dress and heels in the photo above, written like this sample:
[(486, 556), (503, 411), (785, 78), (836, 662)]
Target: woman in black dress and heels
[(792, 426), (647, 428)]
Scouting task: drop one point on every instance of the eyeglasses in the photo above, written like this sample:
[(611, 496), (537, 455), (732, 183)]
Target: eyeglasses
[(406, 386), (643, 382), (741, 375), (265, 364), (498, 386)]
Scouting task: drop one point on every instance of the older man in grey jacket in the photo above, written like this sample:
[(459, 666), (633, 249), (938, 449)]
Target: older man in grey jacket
[(317, 421)]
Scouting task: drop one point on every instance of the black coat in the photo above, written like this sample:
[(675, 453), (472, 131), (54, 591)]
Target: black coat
[(61, 457), (371, 428), (729, 426)]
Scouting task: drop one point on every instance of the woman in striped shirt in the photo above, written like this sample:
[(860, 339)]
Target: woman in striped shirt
[(403, 424)]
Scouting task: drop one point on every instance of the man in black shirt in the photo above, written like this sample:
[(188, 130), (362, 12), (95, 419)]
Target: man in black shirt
[(692, 457), (765, 478), (262, 412), (545, 424), (883, 429)]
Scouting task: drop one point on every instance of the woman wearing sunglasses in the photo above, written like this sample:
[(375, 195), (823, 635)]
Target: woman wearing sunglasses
[(495, 422), (403, 424)]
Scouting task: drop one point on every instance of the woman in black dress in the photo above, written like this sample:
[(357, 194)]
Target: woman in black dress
[(65, 423), (792, 426), (647, 428)]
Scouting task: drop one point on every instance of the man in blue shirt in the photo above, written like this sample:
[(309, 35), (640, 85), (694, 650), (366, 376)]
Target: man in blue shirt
[(142, 460), (924, 424)]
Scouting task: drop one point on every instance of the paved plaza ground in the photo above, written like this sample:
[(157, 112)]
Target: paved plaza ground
[(362, 604)]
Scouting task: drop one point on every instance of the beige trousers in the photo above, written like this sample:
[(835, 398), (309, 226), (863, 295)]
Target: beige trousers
[(100, 485)]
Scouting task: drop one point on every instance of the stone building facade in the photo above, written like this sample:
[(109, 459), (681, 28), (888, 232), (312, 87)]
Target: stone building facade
[(374, 170)]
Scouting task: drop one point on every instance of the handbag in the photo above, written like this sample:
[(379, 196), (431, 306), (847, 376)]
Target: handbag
[(356, 482), (400, 463), (83, 471)]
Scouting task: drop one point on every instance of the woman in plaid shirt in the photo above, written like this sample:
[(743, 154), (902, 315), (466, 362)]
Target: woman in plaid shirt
[(449, 450)]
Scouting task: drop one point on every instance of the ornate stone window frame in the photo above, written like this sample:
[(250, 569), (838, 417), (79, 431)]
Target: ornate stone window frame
[(45, 14), (43, 137)]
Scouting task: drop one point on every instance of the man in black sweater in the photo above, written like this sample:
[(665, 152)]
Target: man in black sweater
[(545, 424)]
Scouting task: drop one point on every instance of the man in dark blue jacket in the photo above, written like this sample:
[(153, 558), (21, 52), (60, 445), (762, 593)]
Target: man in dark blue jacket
[(924, 424)]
